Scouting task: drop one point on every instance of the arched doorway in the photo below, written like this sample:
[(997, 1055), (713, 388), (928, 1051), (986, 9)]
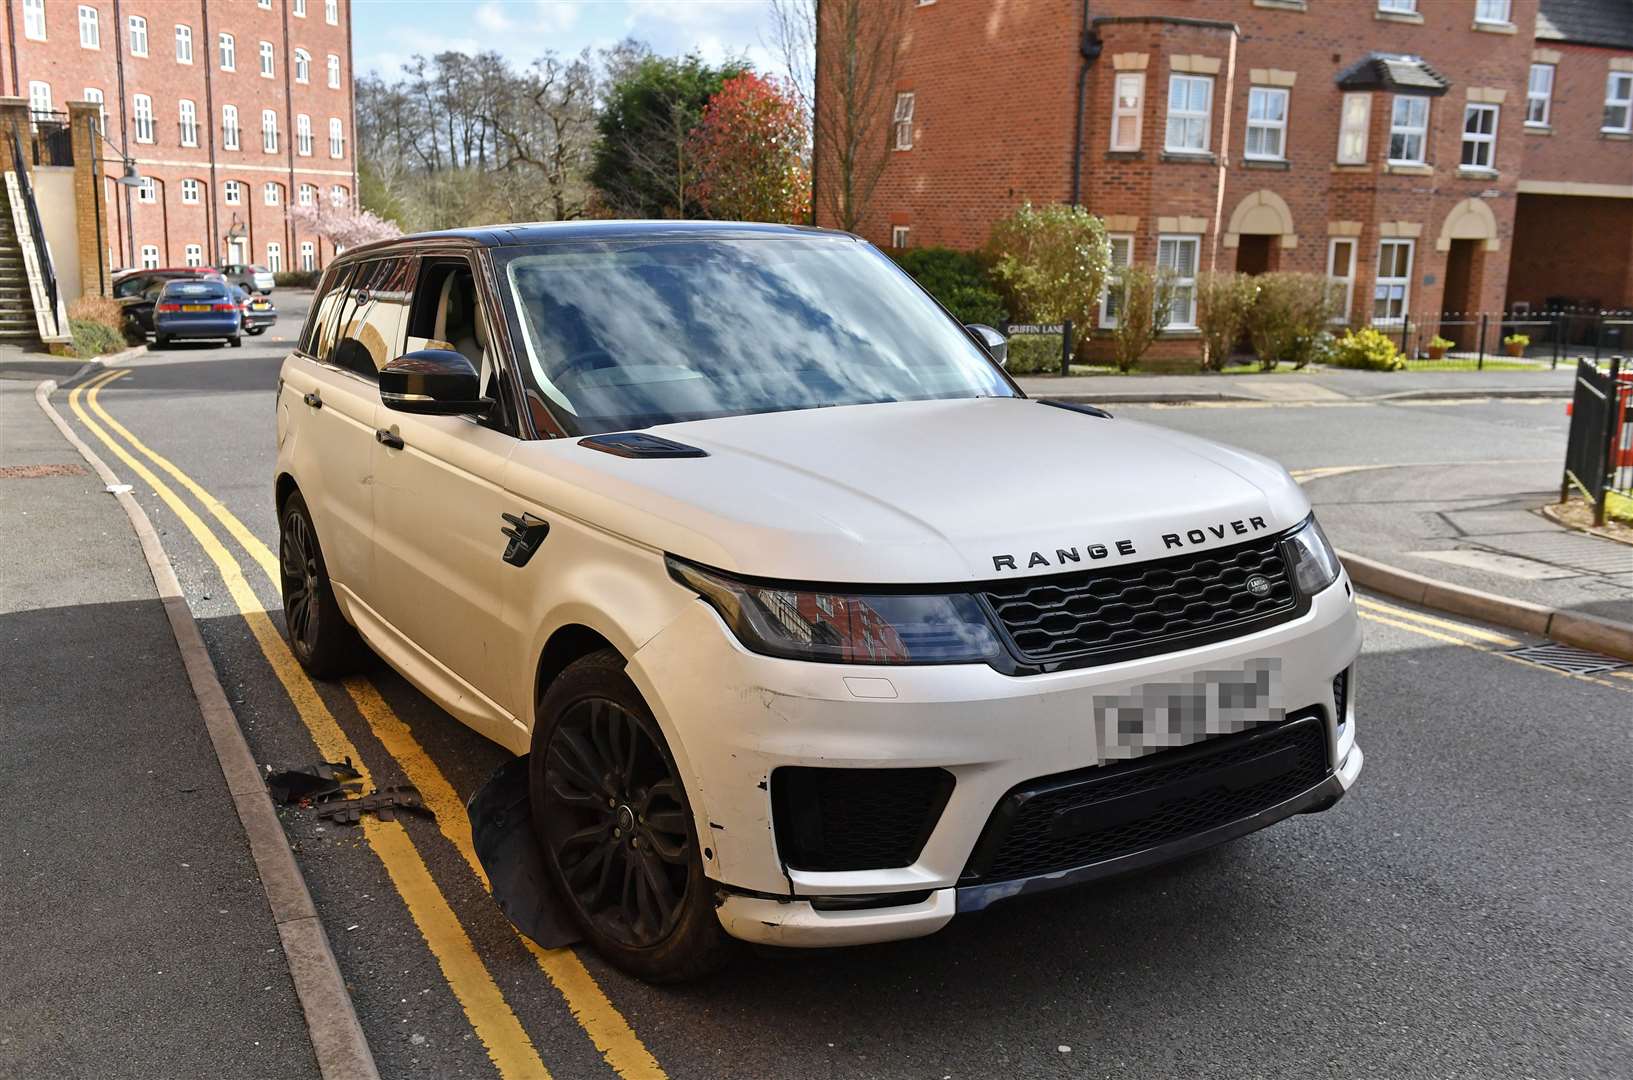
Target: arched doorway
[(1468, 232), (1260, 226)]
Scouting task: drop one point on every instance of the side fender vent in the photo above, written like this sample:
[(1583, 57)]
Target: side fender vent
[(635, 444), (1076, 406)]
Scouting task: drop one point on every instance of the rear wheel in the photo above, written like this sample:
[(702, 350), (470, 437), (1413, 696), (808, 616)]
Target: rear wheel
[(319, 635), (616, 830), (254, 331)]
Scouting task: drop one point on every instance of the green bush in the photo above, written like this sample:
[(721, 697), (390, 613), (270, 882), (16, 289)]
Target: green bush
[(1288, 314), (1052, 262), (1148, 307), (1223, 303), (297, 279), (95, 338), (1367, 349), (1034, 354), (958, 279)]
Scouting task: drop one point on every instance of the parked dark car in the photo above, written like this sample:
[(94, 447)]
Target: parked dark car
[(259, 311), (138, 290), (197, 309)]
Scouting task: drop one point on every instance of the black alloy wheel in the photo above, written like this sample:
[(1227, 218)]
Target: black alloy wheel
[(298, 567), (616, 823)]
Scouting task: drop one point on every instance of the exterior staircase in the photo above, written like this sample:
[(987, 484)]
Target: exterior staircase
[(17, 322)]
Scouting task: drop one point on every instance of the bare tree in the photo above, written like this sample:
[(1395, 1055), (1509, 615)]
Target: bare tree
[(545, 125), (852, 50)]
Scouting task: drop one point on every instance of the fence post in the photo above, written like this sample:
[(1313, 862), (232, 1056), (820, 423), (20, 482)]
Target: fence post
[(1598, 334), (1612, 440), (1406, 321), (1480, 361), (1559, 333), (1066, 348)]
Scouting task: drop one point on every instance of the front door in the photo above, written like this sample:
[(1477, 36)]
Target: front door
[(1256, 254), (1459, 300), (438, 506)]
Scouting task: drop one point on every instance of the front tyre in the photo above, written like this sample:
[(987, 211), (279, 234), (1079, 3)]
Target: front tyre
[(320, 637), (615, 828)]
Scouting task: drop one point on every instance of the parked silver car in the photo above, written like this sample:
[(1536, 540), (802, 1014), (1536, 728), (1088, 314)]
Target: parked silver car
[(249, 278)]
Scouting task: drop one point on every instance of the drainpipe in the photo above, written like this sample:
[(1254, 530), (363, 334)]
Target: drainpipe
[(1089, 48)]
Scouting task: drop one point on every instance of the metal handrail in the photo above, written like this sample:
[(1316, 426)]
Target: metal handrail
[(48, 275)]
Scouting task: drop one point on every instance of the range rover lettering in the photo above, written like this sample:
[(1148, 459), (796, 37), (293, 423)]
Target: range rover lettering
[(729, 528)]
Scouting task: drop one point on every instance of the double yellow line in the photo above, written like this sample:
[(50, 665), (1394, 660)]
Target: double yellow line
[(1468, 636), (473, 985)]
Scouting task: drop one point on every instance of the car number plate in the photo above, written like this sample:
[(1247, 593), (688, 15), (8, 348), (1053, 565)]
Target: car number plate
[(195, 307), (1158, 716), (260, 305)]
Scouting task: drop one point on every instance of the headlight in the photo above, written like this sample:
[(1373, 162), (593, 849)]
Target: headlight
[(1315, 563), (846, 628)]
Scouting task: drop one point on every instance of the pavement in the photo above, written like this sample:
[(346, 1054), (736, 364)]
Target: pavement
[(1329, 384), (138, 941), (1453, 918)]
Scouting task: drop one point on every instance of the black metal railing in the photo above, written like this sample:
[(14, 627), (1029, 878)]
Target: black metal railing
[(53, 138), (1529, 338), (48, 276), (1599, 448)]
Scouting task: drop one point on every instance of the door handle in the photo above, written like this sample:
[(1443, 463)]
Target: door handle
[(311, 398), (388, 438)]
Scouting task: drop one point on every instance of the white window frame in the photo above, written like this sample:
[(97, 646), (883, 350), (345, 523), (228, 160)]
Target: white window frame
[(231, 133), (1381, 283), (308, 256), (303, 66), (1114, 279), (39, 96), (147, 191), (34, 20), (264, 4), (274, 256), (93, 93), (331, 12), (338, 195), (184, 43), (232, 192), (142, 118), (269, 64), (902, 120), (1267, 124), (1539, 102), (308, 194), (1125, 116), (187, 122), (333, 65), (297, 8), (1399, 7), (1407, 130), (272, 193), (150, 257), (192, 255), (1494, 12), (1618, 95), (1354, 126), (190, 190), (1189, 118), (1479, 139), (899, 236), (1177, 241), (269, 131), (137, 27), (1341, 314), (90, 27), (227, 49), (337, 138), (303, 135)]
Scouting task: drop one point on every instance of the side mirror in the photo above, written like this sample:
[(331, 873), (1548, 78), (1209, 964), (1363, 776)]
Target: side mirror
[(434, 382), (996, 343)]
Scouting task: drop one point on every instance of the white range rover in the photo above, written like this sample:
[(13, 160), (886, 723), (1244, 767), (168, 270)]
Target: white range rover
[(817, 630)]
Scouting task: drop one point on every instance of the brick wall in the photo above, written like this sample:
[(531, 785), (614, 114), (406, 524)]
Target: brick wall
[(1573, 248), (170, 224)]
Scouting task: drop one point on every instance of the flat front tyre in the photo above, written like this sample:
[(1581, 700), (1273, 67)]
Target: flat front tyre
[(319, 635), (615, 828)]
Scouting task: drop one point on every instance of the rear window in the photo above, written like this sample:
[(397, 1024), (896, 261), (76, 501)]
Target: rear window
[(194, 290)]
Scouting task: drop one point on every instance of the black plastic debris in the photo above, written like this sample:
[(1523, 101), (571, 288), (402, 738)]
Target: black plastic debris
[(313, 782), (502, 832), (383, 803)]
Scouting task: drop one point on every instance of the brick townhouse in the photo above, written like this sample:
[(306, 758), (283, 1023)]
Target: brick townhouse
[(234, 111), (1427, 155)]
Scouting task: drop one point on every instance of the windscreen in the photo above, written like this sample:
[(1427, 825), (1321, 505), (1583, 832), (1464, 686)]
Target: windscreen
[(194, 290), (631, 334)]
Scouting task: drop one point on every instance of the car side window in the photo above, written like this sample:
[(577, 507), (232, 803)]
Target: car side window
[(375, 316), (320, 330), (131, 286), (448, 314)]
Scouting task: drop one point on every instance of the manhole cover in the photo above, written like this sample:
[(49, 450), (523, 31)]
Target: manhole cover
[(1568, 658), (35, 472)]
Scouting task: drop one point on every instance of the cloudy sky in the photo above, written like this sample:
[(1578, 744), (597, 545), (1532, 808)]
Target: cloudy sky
[(387, 32)]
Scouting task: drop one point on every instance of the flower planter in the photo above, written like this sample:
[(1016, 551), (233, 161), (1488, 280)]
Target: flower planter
[(1436, 352), (1514, 348)]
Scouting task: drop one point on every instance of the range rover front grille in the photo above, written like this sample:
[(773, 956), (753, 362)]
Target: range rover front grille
[(1093, 815), (1102, 615)]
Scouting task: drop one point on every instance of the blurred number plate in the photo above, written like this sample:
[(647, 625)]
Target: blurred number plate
[(260, 305), (1159, 716), (195, 307)]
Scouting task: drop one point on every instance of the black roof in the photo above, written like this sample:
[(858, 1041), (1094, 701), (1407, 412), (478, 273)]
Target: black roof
[(1587, 22), (552, 232), (1389, 71)]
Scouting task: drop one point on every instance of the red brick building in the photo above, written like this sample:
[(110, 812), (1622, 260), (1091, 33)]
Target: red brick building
[(1410, 149), (234, 111)]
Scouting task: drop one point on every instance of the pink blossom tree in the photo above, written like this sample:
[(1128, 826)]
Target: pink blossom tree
[(343, 224)]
